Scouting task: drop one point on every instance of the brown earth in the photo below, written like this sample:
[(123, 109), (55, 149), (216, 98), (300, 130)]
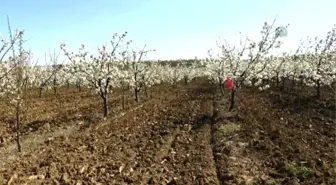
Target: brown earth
[(182, 135)]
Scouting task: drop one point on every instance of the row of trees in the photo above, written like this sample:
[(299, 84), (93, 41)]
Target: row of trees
[(312, 64), (117, 66)]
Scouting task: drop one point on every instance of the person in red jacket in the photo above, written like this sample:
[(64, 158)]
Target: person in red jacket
[(229, 83)]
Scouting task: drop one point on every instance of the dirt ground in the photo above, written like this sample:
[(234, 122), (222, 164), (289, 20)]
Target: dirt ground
[(182, 135)]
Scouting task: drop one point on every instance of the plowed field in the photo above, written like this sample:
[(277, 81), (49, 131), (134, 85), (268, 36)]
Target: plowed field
[(184, 135)]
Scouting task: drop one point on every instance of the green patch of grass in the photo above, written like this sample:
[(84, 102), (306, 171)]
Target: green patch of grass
[(274, 182), (228, 128), (299, 171), (268, 182)]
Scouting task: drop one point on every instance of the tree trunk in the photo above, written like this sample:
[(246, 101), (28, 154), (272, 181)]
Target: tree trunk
[(136, 93), (79, 88), (277, 80), (293, 83), (40, 93), (318, 89), (220, 85), (186, 80), (54, 84), (105, 105), (282, 88), (232, 100), (221, 89), (301, 84), (25, 96), (136, 90), (146, 91), (18, 126)]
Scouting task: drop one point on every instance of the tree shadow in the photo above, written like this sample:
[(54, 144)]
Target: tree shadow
[(202, 120)]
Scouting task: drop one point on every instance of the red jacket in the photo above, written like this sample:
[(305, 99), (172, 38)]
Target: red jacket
[(229, 83)]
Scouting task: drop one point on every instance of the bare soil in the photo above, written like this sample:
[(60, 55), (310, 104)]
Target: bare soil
[(182, 135)]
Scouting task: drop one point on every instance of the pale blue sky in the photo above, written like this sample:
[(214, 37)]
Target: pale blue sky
[(175, 28)]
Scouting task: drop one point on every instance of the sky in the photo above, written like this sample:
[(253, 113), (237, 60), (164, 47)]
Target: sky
[(174, 28)]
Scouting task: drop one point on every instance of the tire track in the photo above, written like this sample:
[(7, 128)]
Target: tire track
[(192, 157), (234, 164)]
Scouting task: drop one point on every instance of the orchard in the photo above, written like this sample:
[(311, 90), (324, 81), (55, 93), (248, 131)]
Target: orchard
[(240, 116)]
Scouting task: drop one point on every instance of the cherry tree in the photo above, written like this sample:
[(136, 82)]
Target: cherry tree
[(217, 69), (133, 62), (101, 71), (243, 71), (13, 71), (172, 75), (322, 61), (149, 77)]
